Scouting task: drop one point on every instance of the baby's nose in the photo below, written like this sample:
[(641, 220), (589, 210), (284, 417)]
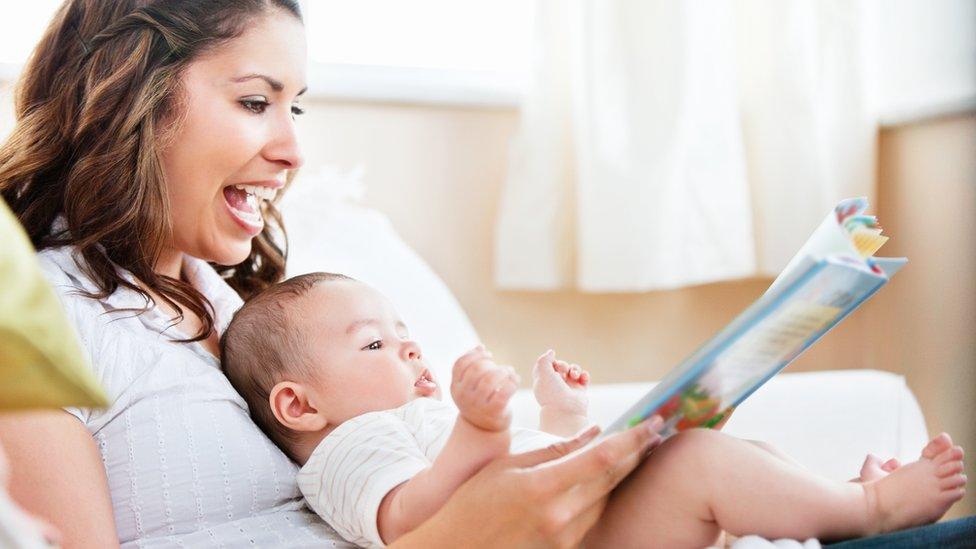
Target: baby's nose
[(410, 350)]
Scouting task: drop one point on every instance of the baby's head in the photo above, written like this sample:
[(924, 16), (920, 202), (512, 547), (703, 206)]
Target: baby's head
[(316, 350)]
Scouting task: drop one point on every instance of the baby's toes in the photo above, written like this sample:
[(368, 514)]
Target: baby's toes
[(891, 465), (936, 446), (948, 469), (871, 469), (954, 453), (952, 482)]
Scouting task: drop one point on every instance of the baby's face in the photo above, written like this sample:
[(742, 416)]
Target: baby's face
[(361, 352)]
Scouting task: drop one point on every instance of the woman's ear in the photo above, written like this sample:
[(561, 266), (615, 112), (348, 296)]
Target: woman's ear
[(292, 408)]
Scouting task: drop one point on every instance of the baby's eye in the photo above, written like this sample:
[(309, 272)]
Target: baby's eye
[(255, 105), (376, 345)]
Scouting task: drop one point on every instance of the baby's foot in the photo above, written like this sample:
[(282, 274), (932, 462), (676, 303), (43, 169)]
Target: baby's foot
[(920, 492), (875, 469)]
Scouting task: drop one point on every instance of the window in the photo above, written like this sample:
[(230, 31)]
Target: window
[(441, 51), (471, 51), (20, 30)]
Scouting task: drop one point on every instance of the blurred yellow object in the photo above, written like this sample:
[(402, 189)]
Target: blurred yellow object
[(41, 362)]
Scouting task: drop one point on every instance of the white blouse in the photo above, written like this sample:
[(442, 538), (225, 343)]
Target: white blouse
[(186, 465)]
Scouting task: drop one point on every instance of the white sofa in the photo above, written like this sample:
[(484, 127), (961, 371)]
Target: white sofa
[(826, 420)]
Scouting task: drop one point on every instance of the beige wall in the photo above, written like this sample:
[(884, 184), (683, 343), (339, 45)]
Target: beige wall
[(437, 173), (926, 328)]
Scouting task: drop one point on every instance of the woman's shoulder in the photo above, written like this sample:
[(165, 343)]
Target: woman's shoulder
[(65, 265), (62, 268)]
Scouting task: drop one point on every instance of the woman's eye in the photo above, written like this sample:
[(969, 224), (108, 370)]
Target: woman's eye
[(257, 106), (297, 111), (374, 346)]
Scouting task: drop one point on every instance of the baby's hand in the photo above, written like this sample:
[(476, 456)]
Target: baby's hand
[(559, 385), (481, 389)]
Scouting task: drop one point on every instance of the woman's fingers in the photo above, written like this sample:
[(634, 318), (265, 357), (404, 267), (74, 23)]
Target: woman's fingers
[(555, 451), (608, 462), (596, 488), (573, 533)]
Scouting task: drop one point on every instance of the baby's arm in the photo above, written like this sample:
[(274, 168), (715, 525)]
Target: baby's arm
[(481, 389), (560, 389)]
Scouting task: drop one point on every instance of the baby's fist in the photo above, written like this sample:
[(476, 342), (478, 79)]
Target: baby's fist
[(481, 389), (560, 385)]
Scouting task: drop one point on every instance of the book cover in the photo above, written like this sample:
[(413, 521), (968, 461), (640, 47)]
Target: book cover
[(833, 273)]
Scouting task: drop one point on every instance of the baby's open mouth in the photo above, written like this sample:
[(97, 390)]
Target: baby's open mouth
[(244, 203), (425, 383)]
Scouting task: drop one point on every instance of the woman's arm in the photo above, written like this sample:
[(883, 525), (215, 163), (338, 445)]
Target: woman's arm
[(57, 474), (546, 498)]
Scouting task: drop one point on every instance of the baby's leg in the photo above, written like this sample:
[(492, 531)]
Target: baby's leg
[(872, 469), (701, 482), (775, 451)]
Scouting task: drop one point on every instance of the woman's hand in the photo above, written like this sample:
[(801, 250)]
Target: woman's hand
[(546, 498)]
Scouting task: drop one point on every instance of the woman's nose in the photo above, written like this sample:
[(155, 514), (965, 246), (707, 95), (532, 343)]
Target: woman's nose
[(283, 148), (409, 350)]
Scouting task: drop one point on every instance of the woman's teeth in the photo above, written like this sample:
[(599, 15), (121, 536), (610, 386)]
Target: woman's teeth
[(263, 193), (253, 217)]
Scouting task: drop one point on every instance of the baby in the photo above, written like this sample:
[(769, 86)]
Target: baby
[(330, 373)]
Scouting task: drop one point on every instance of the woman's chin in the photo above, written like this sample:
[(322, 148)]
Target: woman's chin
[(232, 254)]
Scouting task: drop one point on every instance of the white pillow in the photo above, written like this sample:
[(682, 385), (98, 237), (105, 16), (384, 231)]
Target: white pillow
[(329, 231)]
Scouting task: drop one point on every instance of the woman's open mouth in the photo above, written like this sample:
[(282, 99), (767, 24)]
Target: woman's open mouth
[(244, 204), (425, 384)]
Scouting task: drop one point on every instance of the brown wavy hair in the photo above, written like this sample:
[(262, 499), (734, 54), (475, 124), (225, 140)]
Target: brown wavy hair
[(94, 106)]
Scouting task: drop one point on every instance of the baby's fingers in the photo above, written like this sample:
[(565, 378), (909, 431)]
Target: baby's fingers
[(500, 396), (574, 372), (494, 379), (561, 366), (545, 366), (465, 361)]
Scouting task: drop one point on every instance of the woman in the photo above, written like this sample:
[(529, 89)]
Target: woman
[(152, 138)]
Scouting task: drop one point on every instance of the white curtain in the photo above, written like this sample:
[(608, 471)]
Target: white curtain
[(668, 143)]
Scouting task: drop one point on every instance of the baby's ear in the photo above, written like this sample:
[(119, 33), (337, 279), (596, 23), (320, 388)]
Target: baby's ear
[(292, 408)]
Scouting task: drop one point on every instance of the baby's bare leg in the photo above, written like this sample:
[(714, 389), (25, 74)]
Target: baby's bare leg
[(776, 452), (701, 482)]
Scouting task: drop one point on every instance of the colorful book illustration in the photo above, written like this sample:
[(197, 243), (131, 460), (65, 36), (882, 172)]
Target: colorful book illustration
[(832, 274)]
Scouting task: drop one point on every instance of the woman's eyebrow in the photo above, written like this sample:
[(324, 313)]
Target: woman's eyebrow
[(276, 85)]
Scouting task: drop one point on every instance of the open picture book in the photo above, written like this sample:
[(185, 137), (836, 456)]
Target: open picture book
[(832, 274)]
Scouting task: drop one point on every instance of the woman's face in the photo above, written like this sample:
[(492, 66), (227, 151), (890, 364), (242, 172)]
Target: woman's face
[(235, 140)]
